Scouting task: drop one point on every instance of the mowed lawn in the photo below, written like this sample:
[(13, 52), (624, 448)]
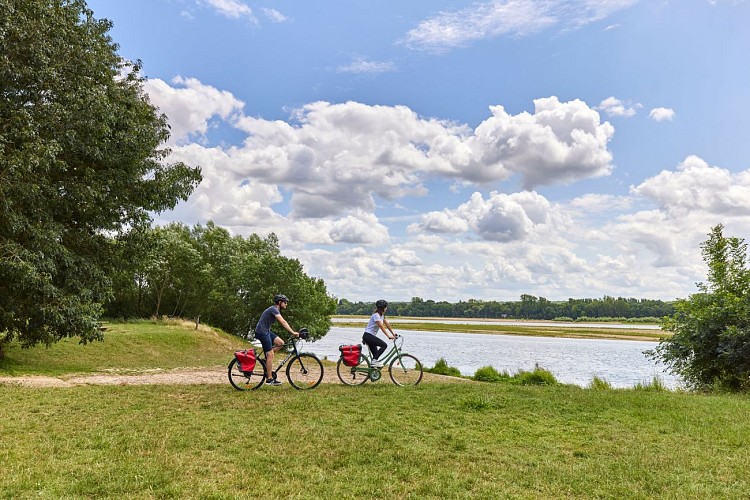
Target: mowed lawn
[(474, 440)]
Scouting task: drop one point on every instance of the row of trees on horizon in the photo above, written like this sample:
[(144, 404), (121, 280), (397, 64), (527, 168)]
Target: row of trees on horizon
[(528, 307)]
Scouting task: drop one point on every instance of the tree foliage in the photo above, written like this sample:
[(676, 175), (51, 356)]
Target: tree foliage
[(226, 281), (710, 345), (79, 162)]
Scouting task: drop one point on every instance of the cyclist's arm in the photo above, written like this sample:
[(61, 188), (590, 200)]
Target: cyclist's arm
[(286, 326), (385, 321)]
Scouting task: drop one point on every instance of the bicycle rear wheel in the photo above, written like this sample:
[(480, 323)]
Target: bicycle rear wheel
[(353, 375), (405, 370), (243, 381), (305, 371)]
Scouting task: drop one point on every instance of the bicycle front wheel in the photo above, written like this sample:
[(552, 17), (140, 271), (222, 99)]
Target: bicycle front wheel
[(353, 375), (305, 371), (243, 381), (405, 370)]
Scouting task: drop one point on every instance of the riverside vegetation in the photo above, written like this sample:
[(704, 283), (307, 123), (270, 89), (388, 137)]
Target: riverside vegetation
[(548, 329), (435, 440)]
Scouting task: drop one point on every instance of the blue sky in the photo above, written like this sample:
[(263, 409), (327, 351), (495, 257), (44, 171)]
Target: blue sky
[(458, 150)]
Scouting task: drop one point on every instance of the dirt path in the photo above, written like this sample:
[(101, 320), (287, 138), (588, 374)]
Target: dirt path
[(166, 377)]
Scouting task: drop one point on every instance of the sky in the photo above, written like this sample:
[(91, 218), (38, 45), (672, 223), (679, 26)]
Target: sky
[(459, 150)]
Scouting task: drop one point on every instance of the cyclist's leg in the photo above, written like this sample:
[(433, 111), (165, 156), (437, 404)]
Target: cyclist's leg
[(366, 341), (376, 345), (269, 342), (278, 343), (381, 347)]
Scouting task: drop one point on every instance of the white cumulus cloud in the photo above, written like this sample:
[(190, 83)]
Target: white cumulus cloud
[(661, 114), (190, 105), (501, 217), (229, 8), (697, 186), (615, 107), (559, 143), (338, 159)]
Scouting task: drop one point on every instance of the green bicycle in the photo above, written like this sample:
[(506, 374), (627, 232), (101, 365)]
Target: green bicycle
[(404, 369)]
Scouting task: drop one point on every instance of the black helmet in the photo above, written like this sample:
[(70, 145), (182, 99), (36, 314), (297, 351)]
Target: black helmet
[(280, 298), (381, 304)]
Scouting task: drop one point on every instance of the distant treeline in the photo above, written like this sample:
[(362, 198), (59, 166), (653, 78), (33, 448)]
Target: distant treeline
[(529, 307)]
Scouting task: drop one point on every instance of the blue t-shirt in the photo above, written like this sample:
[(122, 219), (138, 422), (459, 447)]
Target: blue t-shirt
[(267, 319)]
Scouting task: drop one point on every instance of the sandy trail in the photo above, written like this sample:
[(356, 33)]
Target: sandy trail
[(184, 376)]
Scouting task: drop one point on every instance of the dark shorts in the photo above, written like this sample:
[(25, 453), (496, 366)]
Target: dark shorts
[(266, 340)]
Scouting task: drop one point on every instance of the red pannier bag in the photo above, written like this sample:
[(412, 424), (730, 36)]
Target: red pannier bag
[(246, 360), (351, 353)]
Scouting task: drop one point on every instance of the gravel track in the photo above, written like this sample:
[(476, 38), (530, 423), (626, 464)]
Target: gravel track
[(182, 376)]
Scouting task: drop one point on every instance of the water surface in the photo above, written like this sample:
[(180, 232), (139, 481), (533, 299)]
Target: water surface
[(622, 363)]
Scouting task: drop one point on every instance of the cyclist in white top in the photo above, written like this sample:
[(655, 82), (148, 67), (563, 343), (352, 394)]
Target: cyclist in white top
[(370, 337)]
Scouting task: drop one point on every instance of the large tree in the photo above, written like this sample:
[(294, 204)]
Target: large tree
[(226, 281), (81, 160), (710, 342)]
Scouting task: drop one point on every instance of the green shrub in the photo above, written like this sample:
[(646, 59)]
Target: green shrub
[(490, 374), (563, 318), (710, 330), (599, 384), (539, 376), (442, 368)]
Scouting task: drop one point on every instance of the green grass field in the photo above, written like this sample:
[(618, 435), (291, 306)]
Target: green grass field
[(471, 440)]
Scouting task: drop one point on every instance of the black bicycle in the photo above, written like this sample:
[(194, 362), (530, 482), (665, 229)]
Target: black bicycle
[(303, 371)]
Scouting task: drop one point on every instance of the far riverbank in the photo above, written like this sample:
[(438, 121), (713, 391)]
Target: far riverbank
[(536, 328)]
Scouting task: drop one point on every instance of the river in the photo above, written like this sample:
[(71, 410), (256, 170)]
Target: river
[(622, 363)]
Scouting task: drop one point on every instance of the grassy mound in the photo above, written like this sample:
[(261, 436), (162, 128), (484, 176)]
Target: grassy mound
[(139, 345)]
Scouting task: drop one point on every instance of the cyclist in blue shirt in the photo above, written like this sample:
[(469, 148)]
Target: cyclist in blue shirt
[(370, 337), (270, 341)]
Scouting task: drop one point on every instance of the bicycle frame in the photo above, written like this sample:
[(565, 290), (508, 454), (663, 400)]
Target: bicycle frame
[(289, 355), (392, 353), (373, 372), (303, 369)]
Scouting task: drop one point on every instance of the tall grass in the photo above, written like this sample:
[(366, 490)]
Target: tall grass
[(538, 376)]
